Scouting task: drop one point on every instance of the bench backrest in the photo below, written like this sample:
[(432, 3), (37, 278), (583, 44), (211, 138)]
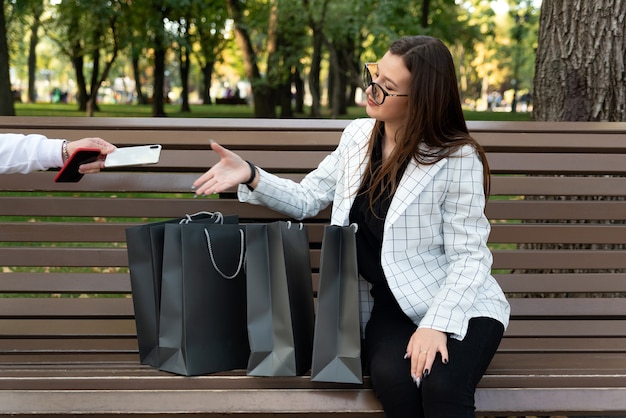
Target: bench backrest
[(557, 211)]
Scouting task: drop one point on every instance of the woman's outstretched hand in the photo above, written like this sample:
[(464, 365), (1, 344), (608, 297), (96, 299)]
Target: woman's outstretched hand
[(230, 171)]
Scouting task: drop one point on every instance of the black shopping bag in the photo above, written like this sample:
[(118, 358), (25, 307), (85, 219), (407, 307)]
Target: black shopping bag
[(280, 299), (145, 259), (203, 299), (337, 342)]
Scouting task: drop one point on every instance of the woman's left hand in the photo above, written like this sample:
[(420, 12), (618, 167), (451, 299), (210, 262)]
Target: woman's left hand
[(423, 346)]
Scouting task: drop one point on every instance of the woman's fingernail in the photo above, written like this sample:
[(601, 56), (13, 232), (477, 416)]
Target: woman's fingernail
[(426, 373), (445, 361), (414, 378), (406, 356), (418, 382)]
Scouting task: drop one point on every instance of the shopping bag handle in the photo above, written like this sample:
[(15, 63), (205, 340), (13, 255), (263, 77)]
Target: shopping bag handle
[(241, 255), (301, 225), (219, 217)]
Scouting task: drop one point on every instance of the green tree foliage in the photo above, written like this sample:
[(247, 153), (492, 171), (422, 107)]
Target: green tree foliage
[(272, 38), (281, 44), (89, 33)]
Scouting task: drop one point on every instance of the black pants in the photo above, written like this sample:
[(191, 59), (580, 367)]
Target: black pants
[(449, 389)]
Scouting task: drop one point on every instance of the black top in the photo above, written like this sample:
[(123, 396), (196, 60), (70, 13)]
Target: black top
[(369, 235)]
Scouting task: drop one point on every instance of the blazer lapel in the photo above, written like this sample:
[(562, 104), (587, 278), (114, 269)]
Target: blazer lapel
[(413, 182)]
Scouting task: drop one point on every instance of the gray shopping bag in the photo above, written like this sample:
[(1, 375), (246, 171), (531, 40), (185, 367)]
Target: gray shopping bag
[(280, 299), (145, 260), (337, 342), (203, 299)]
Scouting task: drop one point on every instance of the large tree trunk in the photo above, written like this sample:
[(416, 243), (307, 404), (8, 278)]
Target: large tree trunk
[(580, 73), (580, 63)]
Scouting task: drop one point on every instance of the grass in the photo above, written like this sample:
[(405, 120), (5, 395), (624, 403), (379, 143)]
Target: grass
[(213, 111)]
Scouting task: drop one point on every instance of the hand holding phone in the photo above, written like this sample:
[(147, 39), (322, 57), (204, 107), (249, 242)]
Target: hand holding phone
[(69, 172)]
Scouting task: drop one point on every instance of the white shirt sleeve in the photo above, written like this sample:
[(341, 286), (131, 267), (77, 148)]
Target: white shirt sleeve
[(25, 153)]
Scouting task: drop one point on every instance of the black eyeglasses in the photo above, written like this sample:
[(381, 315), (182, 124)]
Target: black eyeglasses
[(379, 94)]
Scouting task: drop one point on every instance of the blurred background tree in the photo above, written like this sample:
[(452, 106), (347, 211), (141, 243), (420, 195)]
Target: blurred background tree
[(283, 57)]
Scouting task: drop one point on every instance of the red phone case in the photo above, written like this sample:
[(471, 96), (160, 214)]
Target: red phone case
[(69, 173)]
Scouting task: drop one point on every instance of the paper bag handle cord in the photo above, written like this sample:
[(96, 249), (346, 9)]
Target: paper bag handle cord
[(241, 255), (289, 225), (219, 218)]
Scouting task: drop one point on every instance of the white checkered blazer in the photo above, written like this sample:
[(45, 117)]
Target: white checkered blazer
[(434, 251)]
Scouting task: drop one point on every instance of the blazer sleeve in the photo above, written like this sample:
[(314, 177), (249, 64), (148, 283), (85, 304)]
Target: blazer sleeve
[(297, 200)]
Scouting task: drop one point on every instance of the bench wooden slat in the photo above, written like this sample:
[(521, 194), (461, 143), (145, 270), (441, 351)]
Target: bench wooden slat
[(503, 259), (68, 345), (566, 328), (122, 307), (559, 259), (561, 185), (113, 232), (558, 233), (72, 283), (560, 282), (180, 182), (556, 210), (564, 163), (72, 327), (571, 283), (562, 344), (173, 208), (292, 403), (78, 346), (139, 208), (500, 233)]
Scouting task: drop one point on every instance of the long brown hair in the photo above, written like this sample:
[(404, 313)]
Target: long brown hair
[(435, 118)]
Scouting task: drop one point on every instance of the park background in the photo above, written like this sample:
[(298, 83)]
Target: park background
[(516, 59)]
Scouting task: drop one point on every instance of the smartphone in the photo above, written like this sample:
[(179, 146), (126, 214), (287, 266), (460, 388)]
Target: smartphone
[(139, 155), (69, 172)]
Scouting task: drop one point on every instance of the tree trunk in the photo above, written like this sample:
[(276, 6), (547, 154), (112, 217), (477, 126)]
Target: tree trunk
[(81, 84), (299, 87), (580, 76), (314, 74), (207, 75), (580, 61), (141, 99), (184, 79), (94, 85), (158, 104), (32, 60), (6, 96)]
